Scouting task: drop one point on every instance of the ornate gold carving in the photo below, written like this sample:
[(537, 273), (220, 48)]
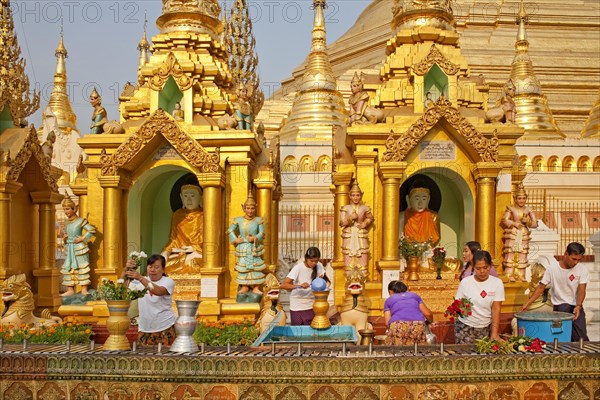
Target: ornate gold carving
[(435, 57), (11, 169), (397, 149), (14, 83), (170, 67), (160, 123)]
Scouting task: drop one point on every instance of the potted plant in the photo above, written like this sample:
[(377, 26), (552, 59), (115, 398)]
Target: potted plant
[(412, 251), (439, 255), (118, 298)]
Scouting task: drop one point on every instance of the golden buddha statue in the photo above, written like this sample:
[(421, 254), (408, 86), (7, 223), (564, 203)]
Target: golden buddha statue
[(418, 221), (183, 251)]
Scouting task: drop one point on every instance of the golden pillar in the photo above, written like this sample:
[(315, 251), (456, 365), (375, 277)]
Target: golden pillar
[(391, 174), (7, 189), (265, 184), (214, 236), (46, 273), (112, 225), (485, 174), (81, 192), (341, 186), (275, 224)]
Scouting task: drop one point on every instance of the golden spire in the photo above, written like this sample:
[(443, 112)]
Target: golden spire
[(533, 112), (318, 101), (243, 60), (144, 45), (14, 83), (199, 16), (418, 13), (59, 100), (592, 124)]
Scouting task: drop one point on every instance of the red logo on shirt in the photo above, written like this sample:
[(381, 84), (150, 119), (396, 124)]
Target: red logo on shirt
[(483, 294), (572, 277)]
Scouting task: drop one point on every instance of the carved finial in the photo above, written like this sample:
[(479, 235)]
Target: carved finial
[(241, 47), (15, 94), (520, 190)]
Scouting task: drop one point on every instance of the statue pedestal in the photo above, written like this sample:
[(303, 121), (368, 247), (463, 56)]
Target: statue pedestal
[(437, 294), (514, 293)]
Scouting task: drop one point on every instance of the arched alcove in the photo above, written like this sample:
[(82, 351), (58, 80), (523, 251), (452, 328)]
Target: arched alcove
[(596, 165), (554, 164), (307, 164), (436, 82), (290, 164), (150, 207), (324, 164), (538, 164), (569, 164), (584, 164), (169, 95), (452, 199)]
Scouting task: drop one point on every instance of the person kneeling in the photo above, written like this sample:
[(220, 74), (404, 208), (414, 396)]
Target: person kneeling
[(156, 323), (405, 315)]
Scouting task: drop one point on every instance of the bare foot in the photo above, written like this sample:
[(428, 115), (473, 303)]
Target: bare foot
[(256, 290), (244, 289), (69, 292)]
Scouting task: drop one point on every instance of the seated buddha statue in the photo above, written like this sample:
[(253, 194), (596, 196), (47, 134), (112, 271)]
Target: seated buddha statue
[(418, 221), (183, 251)]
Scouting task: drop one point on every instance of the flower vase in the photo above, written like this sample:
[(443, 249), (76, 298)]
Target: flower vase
[(412, 267), (185, 326), (117, 325), (438, 268), (320, 307)]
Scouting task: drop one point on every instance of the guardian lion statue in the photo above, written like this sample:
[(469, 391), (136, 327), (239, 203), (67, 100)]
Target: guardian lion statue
[(19, 306)]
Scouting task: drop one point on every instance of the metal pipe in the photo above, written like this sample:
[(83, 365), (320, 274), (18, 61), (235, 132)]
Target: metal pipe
[(228, 348), (344, 348), (134, 346), (580, 344), (68, 346), (92, 345), (370, 347), (416, 349), (273, 348), (555, 344), (442, 348), (299, 349), (201, 348), (159, 350), (1, 344), (24, 344)]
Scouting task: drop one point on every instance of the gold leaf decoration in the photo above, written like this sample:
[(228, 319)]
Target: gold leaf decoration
[(397, 149), (11, 170), (160, 123), (170, 67), (435, 57)]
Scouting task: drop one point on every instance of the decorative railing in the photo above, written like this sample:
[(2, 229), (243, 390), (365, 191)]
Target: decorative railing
[(301, 227), (574, 221)]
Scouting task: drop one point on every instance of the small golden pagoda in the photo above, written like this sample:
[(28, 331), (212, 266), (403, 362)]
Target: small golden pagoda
[(434, 131), (127, 183)]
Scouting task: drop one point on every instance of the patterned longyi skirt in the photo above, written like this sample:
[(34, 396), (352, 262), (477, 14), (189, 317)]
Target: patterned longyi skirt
[(406, 333)]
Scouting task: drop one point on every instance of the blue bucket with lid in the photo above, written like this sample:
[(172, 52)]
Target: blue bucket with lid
[(547, 325)]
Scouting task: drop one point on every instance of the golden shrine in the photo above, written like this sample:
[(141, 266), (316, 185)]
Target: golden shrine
[(418, 112)]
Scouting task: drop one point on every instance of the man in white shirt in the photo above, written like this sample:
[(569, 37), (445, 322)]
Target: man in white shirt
[(567, 281)]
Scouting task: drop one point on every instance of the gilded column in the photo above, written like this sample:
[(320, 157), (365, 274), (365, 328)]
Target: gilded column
[(391, 174), (112, 225), (214, 236), (6, 190), (485, 174), (81, 193), (265, 184), (46, 273), (341, 187), (275, 224)]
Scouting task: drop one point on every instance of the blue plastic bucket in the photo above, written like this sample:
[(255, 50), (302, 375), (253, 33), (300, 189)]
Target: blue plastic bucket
[(545, 325)]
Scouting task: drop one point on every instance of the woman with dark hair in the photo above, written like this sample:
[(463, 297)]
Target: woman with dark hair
[(468, 251), (298, 281), (405, 315), (156, 323), (486, 292)]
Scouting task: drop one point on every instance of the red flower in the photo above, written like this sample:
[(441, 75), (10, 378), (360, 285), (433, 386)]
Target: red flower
[(495, 347)]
